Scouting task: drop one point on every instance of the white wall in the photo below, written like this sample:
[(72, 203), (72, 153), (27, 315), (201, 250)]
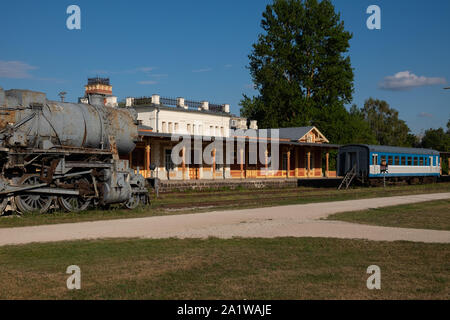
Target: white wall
[(186, 122)]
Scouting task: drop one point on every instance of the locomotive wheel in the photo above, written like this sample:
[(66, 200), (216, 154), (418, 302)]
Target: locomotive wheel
[(3, 204), (32, 203), (74, 203), (144, 199), (133, 202)]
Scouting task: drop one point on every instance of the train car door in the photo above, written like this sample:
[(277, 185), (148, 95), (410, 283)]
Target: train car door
[(431, 165), (375, 168)]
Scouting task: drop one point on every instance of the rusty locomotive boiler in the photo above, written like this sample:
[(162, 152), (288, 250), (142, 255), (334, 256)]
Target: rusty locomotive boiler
[(66, 155)]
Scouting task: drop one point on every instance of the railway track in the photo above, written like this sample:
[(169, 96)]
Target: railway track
[(267, 200)]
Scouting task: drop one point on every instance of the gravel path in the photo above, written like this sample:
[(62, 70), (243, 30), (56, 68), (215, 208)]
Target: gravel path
[(283, 221)]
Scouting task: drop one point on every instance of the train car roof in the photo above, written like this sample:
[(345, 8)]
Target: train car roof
[(390, 149)]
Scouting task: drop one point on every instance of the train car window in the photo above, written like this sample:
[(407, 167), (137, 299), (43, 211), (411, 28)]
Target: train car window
[(383, 159), (415, 161), (409, 161), (403, 159), (390, 160), (421, 162)]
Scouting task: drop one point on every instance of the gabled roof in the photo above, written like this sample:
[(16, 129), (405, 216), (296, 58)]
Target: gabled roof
[(298, 133)]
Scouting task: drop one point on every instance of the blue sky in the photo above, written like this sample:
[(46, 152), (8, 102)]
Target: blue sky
[(198, 50)]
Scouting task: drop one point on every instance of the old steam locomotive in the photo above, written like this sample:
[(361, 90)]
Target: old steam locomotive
[(66, 155)]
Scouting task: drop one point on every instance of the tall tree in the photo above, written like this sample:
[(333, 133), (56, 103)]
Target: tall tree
[(385, 123), (436, 139), (300, 68)]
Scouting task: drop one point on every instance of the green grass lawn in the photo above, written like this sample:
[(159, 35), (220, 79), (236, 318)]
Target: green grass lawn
[(196, 202), (283, 268), (424, 215)]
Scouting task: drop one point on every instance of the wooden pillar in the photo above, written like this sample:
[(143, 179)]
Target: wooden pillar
[(246, 162), (183, 164), (241, 154), (266, 161), (147, 161), (214, 165), (297, 157), (288, 163), (309, 164), (440, 164), (326, 165)]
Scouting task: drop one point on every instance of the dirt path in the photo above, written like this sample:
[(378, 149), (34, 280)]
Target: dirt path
[(293, 221)]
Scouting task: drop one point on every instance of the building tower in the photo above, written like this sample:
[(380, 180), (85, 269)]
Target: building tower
[(99, 87)]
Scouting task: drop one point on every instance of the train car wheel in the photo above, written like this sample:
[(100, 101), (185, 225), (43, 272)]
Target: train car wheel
[(133, 202), (32, 203)]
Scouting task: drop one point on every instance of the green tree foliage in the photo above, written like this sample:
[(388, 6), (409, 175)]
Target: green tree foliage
[(385, 125), (359, 128), (300, 68), (437, 139)]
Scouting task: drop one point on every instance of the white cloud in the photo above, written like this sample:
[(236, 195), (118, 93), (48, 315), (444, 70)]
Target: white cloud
[(425, 115), (202, 70), (159, 75), (15, 69), (145, 69), (147, 82), (406, 80), (129, 71)]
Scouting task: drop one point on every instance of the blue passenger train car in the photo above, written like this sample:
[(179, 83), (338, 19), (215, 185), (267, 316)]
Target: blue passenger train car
[(401, 163)]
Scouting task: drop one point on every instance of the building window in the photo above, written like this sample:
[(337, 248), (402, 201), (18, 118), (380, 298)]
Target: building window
[(176, 127), (169, 165), (170, 127)]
